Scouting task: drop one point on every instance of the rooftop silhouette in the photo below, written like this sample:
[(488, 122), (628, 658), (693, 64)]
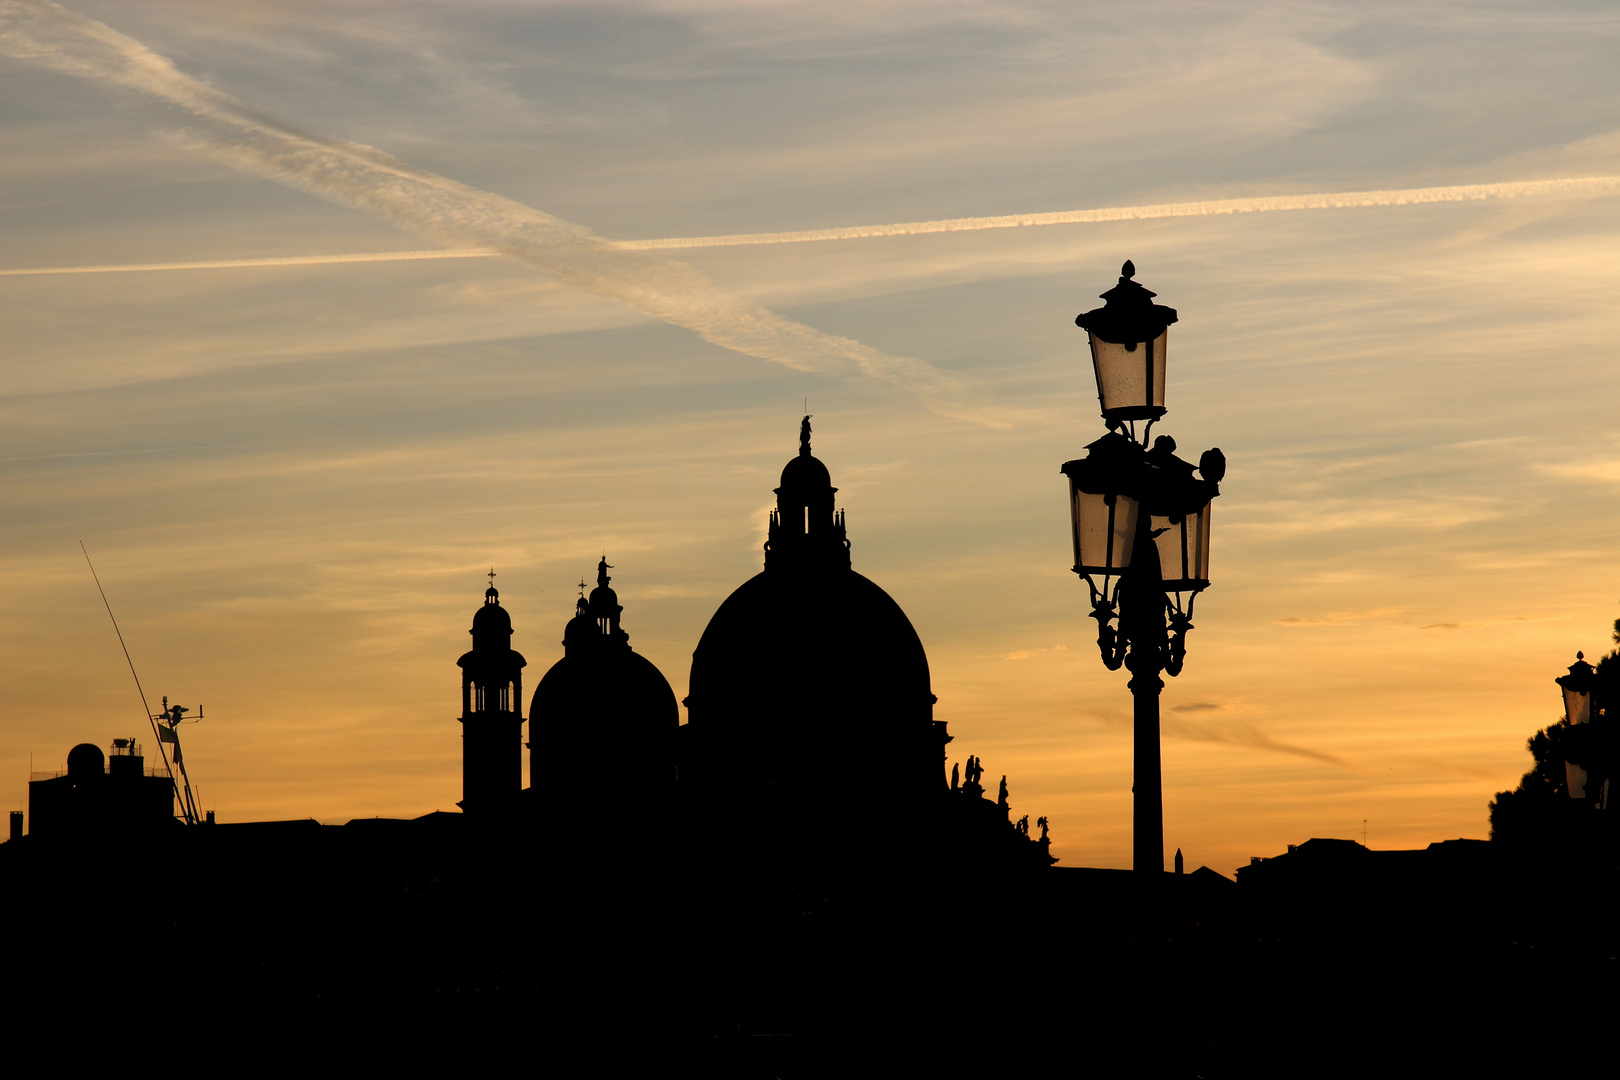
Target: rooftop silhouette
[(795, 882)]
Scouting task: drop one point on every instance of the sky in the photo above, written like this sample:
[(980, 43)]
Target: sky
[(293, 478)]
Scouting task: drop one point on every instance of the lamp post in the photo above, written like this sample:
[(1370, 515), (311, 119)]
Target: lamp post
[(1577, 687), (1141, 529)]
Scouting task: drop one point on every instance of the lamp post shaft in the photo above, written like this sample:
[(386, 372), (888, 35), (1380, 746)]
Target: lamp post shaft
[(1141, 616), (1148, 787)]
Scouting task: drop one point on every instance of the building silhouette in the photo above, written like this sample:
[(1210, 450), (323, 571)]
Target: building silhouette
[(491, 712), (605, 712), (811, 709), (810, 888), (100, 794)]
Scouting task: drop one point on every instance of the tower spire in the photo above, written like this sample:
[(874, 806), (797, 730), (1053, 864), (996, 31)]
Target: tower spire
[(491, 710)]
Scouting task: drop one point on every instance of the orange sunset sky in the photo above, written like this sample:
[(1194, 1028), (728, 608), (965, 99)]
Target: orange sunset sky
[(293, 478)]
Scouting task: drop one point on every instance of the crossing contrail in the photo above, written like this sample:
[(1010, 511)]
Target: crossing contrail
[(1265, 204), (283, 260), (455, 214), (473, 223)]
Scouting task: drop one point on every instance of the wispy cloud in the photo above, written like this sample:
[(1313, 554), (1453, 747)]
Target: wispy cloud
[(1341, 618), (1025, 654), (1235, 733), (1603, 469), (1226, 732), (449, 212)]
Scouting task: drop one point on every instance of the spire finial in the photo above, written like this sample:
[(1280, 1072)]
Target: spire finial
[(1128, 270), (804, 436), (490, 594)]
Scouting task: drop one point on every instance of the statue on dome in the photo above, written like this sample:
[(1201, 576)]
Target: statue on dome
[(804, 436), (1023, 826), (1001, 797), (602, 569), (1041, 821)]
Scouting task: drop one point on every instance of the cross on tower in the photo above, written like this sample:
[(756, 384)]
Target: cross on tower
[(492, 575)]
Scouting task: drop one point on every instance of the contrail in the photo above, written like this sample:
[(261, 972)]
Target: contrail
[(287, 260), (1587, 185), (1516, 189), (452, 213)]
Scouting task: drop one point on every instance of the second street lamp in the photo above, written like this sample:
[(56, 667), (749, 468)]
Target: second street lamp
[(1577, 689), (1141, 526)]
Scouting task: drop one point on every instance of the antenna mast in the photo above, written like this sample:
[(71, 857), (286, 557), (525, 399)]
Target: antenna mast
[(157, 733), (172, 715)]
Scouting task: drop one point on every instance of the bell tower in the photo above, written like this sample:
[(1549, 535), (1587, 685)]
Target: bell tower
[(491, 711)]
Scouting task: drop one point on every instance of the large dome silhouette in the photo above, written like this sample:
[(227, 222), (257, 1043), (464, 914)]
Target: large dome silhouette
[(805, 656), (831, 644)]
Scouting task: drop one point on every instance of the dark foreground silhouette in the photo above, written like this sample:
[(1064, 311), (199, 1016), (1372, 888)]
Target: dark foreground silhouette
[(406, 939), (788, 885)]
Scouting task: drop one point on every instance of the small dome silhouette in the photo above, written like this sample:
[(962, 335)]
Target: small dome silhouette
[(85, 760), (605, 710), (616, 689), (491, 622), (806, 471)]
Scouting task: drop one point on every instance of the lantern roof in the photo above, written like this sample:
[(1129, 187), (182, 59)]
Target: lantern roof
[(1129, 314), (1579, 679), (1163, 482)]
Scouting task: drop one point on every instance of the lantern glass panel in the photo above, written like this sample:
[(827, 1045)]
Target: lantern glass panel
[(1104, 530), (1577, 706), (1575, 780), (1130, 380), (1183, 549)]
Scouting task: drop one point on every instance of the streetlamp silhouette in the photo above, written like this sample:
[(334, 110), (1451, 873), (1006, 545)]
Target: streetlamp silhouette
[(1141, 529), (1577, 687)]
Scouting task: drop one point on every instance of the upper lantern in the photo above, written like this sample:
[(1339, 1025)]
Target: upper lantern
[(1129, 335), (1577, 688)]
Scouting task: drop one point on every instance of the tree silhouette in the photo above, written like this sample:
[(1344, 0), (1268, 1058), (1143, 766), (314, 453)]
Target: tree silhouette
[(1540, 808)]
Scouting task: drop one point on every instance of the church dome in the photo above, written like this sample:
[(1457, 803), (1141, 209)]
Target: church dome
[(603, 710), (831, 643), (806, 473), (616, 688), (491, 622), (808, 655)]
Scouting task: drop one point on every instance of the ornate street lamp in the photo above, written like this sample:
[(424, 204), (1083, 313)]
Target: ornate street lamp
[(1577, 689), (1141, 524)]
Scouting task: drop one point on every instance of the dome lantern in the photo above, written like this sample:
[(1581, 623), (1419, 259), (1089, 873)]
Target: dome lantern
[(806, 532)]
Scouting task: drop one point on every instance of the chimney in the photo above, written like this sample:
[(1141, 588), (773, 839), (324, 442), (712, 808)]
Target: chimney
[(16, 824)]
